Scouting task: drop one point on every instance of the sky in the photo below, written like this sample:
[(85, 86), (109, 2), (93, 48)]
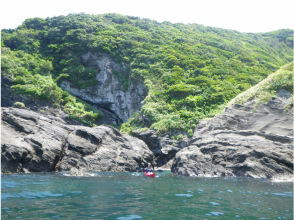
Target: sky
[(242, 15)]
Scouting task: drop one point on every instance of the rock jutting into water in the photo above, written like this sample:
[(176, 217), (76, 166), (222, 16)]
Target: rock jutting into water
[(31, 142), (243, 141)]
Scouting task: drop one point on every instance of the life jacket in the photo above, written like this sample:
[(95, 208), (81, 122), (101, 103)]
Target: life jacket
[(148, 170)]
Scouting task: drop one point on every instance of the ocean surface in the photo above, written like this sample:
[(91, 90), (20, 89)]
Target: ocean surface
[(125, 196)]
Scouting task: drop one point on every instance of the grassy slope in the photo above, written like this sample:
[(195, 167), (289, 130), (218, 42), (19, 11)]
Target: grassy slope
[(267, 88)]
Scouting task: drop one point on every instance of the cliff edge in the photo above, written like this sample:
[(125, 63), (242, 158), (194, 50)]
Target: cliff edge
[(246, 140)]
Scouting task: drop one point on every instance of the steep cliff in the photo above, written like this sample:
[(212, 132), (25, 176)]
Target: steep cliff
[(110, 95), (243, 141)]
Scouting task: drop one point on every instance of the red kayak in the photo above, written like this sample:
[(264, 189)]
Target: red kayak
[(149, 174)]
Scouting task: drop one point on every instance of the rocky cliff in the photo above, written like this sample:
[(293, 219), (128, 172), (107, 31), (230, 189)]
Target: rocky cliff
[(31, 142), (163, 147), (243, 141), (8, 98), (109, 95)]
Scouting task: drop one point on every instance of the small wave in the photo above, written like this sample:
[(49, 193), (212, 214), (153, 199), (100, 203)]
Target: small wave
[(137, 174), (217, 213), (203, 175), (186, 195), (80, 173), (30, 195), (214, 203), (282, 179), (48, 193), (129, 217), (283, 194), (8, 195)]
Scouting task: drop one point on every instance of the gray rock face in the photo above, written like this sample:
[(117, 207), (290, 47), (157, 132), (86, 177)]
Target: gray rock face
[(31, 142), (6, 99), (109, 94), (242, 141), (164, 148), (104, 149)]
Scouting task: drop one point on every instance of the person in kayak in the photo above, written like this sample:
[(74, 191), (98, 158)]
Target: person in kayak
[(148, 169)]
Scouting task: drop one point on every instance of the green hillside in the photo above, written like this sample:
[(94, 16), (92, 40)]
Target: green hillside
[(32, 77), (267, 88), (191, 71)]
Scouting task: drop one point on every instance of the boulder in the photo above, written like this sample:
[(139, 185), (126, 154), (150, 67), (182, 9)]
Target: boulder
[(243, 141), (104, 149), (31, 142)]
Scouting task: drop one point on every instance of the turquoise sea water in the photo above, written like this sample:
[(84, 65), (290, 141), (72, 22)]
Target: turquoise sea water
[(126, 196)]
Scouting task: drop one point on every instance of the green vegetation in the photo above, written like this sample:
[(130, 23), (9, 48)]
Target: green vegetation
[(178, 137), (131, 124), (19, 105), (266, 89), (32, 76), (142, 129), (290, 104), (191, 71)]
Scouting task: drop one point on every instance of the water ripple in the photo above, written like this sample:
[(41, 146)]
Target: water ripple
[(186, 195), (214, 203), (217, 213), (129, 217)]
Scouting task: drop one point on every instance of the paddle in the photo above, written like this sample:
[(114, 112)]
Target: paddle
[(138, 168)]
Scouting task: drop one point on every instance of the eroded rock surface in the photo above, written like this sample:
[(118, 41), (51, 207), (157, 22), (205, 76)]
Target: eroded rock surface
[(164, 148), (242, 141), (109, 93), (104, 149), (31, 142)]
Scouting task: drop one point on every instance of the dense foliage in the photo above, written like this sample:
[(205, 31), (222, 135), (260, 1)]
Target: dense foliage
[(191, 70), (266, 89), (32, 76)]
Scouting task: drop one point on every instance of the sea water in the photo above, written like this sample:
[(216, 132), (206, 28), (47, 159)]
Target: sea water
[(125, 196)]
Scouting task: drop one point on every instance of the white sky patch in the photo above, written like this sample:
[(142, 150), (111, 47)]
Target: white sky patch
[(241, 15)]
